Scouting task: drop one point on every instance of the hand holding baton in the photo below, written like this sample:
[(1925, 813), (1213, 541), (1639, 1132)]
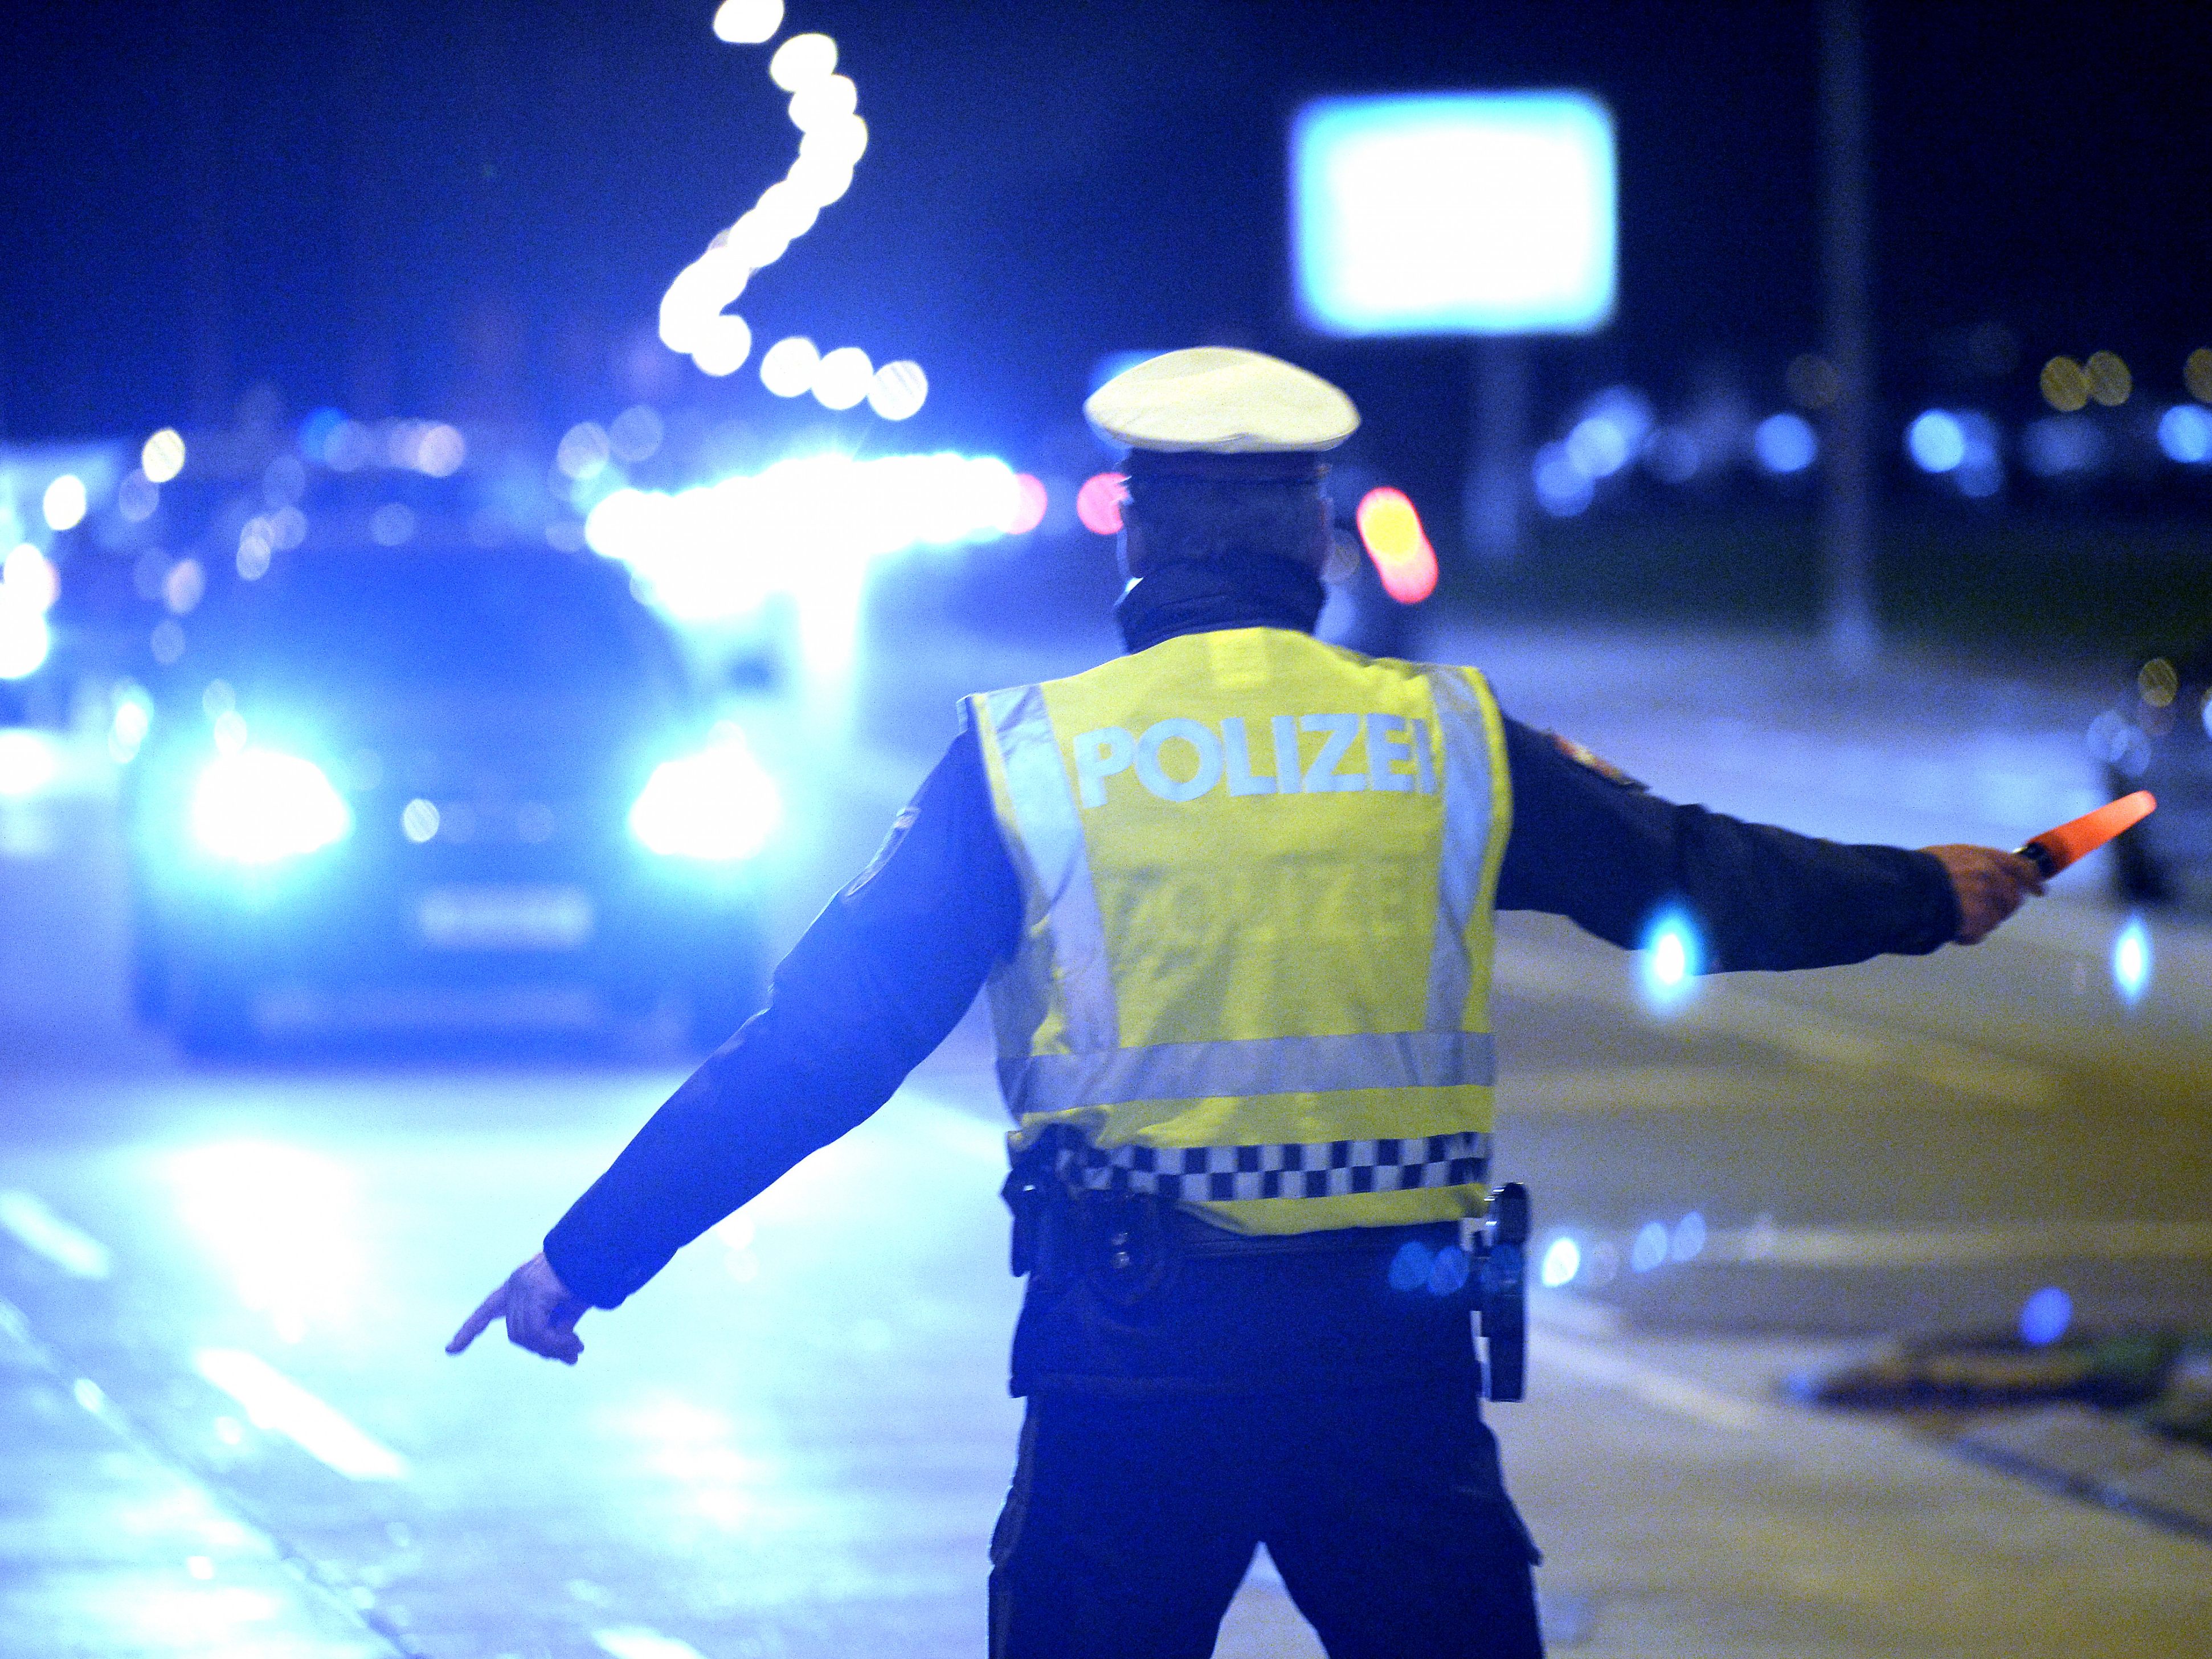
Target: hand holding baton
[(2054, 849)]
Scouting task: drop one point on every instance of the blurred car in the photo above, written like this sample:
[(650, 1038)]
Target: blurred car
[(2160, 740), (438, 782)]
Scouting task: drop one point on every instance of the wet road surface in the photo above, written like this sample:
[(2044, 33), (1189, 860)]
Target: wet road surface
[(227, 1287)]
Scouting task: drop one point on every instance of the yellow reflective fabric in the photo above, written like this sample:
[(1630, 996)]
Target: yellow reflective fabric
[(1258, 875)]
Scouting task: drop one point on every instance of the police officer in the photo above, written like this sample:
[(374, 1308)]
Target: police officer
[(1232, 895)]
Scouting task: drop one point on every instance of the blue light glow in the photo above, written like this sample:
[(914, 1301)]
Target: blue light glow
[(717, 806), (1650, 1246), (1689, 1240), (30, 762), (2046, 1316), (2185, 433), (1785, 443), (1409, 1268), (1937, 441), (1448, 1271), (258, 806), (2131, 961), (1562, 489), (1454, 212), (1672, 959), (1563, 1260), (25, 639)]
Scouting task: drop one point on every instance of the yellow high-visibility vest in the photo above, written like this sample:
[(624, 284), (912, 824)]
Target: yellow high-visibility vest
[(1258, 875)]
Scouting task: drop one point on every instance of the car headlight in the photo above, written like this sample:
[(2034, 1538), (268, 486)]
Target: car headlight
[(258, 806), (717, 805)]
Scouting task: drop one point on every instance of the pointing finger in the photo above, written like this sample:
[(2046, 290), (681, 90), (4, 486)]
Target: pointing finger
[(488, 1309)]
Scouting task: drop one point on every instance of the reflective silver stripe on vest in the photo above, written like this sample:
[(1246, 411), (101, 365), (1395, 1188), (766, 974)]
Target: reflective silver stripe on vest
[(1322, 1168), (1052, 835), (1255, 1066), (1465, 831)]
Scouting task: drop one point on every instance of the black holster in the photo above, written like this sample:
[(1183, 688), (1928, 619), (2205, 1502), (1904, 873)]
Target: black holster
[(1117, 1240), (1501, 1276)]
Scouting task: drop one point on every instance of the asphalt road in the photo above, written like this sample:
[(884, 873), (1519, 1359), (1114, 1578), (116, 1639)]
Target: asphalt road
[(227, 1288)]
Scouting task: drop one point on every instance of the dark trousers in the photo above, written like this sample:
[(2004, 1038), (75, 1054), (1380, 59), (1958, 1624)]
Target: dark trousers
[(1131, 1524)]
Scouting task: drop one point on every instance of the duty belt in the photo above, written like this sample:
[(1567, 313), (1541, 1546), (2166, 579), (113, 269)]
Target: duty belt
[(1079, 1210)]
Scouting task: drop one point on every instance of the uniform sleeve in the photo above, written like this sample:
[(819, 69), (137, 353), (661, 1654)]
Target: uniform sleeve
[(885, 971), (1608, 854)]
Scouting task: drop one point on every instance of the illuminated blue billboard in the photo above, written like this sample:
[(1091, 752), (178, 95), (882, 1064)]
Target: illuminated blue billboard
[(1453, 213)]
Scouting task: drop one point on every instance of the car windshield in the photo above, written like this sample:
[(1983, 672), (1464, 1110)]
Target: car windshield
[(432, 622)]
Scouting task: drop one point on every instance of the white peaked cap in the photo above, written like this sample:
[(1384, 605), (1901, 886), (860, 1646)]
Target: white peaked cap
[(1218, 400)]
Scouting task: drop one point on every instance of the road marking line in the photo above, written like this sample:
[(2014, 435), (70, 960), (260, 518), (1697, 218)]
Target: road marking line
[(38, 1229), (636, 1643), (1669, 1392), (274, 1401), (1892, 1247)]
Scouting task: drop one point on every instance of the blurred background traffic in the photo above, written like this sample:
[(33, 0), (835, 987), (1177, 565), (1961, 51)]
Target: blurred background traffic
[(331, 339), (497, 503)]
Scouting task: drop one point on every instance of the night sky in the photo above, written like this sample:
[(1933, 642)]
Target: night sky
[(471, 210)]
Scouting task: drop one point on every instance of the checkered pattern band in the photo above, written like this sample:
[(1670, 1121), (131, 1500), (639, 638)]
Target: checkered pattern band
[(1322, 1168)]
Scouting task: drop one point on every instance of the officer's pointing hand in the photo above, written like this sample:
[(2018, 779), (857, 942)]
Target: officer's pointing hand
[(1991, 886), (540, 1312)]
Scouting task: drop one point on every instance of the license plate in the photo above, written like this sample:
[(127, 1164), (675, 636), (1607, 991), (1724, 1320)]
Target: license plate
[(505, 918)]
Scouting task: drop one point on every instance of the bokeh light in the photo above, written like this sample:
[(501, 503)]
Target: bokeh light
[(29, 763), (1650, 1250), (723, 550), (1562, 1261), (1562, 489), (2046, 1316), (1785, 443), (25, 639), (2197, 373), (821, 101), (635, 434), (898, 390), (1672, 957), (716, 806), (722, 345), (137, 496), (258, 806), (2109, 382), (695, 319), (162, 455), (801, 60), (2184, 433), (28, 575), (842, 377), (583, 450), (2157, 682), (787, 366), (1390, 529), (1688, 1241), (1937, 441), (441, 451), (1030, 500), (748, 23), (1098, 503), (2064, 384), (2131, 961), (63, 503)]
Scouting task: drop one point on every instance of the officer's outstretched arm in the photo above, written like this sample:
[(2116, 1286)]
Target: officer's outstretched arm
[(1991, 885)]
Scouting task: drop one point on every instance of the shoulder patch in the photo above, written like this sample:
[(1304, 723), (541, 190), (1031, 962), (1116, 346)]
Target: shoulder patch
[(1597, 763)]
